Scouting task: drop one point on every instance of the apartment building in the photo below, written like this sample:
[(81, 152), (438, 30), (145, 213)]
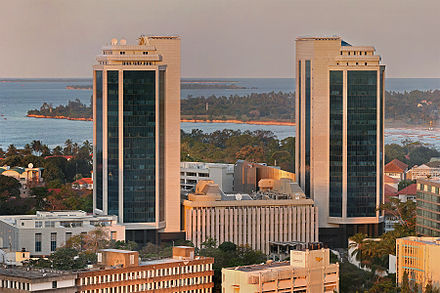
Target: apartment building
[(122, 272), (278, 212), (418, 257), (43, 233), (192, 172), (428, 209), (309, 270)]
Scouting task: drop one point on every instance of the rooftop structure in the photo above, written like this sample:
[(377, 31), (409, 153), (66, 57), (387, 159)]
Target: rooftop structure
[(136, 114), (42, 233), (339, 128), (396, 169), (307, 271), (279, 212), (193, 172), (418, 257)]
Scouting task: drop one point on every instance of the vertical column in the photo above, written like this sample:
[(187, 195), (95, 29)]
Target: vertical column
[(258, 223), (307, 223), (240, 224), (303, 220), (294, 233), (203, 225), (289, 224), (217, 225), (104, 143), (121, 144), (276, 211), (188, 226), (199, 226), (344, 145), (226, 224), (194, 227), (269, 225), (316, 223)]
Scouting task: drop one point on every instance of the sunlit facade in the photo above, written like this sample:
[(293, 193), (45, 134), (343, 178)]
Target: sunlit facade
[(340, 116), (136, 103)]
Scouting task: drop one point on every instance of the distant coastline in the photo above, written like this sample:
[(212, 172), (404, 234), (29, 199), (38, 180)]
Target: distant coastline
[(185, 85), (182, 120)]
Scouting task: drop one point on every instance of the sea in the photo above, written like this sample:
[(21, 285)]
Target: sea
[(17, 96)]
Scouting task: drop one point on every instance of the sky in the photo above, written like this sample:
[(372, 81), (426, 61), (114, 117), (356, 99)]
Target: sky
[(221, 38)]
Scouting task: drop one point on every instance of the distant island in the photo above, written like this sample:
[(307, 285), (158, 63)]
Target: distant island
[(402, 109), (185, 85)]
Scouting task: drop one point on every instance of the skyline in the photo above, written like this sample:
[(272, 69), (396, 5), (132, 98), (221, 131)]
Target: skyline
[(219, 38)]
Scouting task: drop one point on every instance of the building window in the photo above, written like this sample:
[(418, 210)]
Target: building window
[(37, 242), (145, 53), (113, 235), (38, 224), (122, 53), (49, 224), (54, 284), (53, 241), (68, 235)]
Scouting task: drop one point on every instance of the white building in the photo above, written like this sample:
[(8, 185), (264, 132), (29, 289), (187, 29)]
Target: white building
[(279, 213), (192, 172), (43, 233), (16, 279)]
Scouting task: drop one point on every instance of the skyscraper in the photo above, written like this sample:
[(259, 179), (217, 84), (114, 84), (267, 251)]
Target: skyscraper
[(339, 146), (136, 136)]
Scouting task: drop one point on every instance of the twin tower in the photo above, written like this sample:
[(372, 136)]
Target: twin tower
[(339, 145)]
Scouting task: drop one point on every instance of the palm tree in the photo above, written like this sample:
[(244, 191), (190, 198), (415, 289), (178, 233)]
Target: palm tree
[(68, 147), (358, 242), (27, 150), (37, 146), (11, 151)]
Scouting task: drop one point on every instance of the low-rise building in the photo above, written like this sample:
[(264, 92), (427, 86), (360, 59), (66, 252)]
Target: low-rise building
[(28, 177), (419, 258), (428, 208), (424, 171), (396, 169), (279, 211), (121, 271), (83, 183), (12, 257), (43, 233), (308, 270), (21, 280), (192, 172), (408, 193), (391, 182)]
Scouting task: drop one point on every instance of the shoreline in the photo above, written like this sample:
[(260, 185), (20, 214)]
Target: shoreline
[(281, 123)]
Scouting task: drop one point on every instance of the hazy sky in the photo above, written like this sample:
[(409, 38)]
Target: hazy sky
[(222, 38)]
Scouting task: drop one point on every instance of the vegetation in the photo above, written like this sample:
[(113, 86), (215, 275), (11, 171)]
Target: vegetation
[(409, 152), (227, 146), (73, 109), (9, 187)]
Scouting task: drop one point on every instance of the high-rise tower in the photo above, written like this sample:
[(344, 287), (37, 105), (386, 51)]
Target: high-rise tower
[(136, 136), (339, 146)]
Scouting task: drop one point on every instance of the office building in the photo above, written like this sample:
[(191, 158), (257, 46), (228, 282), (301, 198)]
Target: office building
[(21, 280), (136, 114), (309, 270), (418, 257), (192, 172), (340, 143), (428, 209), (248, 174), (121, 271), (278, 212), (43, 233)]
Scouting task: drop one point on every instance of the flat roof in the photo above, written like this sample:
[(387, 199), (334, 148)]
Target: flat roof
[(118, 250), (261, 267), (27, 273)]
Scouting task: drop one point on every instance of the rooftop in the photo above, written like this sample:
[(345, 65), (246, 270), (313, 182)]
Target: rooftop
[(409, 190), (261, 267), (118, 250), (425, 240), (27, 273), (395, 166)]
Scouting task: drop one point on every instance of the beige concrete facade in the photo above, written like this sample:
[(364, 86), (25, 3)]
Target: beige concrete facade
[(159, 54), (325, 55), (249, 220), (307, 271), (419, 258)]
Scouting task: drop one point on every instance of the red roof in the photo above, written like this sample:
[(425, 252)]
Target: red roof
[(59, 156), (388, 179), (389, 192), (409, 190), (83, 181), (395, 166)]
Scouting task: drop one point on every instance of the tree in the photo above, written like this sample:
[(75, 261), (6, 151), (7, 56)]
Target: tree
[(405, 212), (404, 287), (251, 153), (429, 288), (358, 245), (37, 146), (27, 150), (9, 187), (405, 183), (68, 147), (12, 151)]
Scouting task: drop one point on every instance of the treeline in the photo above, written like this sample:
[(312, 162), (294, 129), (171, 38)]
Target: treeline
[(228, 146), (73, 109), (273, 106), (415, 107), (411, 153)]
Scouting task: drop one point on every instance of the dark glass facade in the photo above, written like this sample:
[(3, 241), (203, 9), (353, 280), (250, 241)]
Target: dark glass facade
[(428, 210), (361, 143), (336, 143), (161, 145), (307, 137), (113, 141), (98, 135), (381, 125), (298, 121), (139, 146)]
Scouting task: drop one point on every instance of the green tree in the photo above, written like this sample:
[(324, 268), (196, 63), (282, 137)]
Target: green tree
[(11, 151), (404, 287), (429, 288), (405, 183), (358, 245), (9, 187), (37, 146)]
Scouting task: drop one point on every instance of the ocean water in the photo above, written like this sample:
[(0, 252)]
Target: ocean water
[(19, 96)]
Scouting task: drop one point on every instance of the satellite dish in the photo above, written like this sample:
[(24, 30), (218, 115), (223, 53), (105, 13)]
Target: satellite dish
[(30, 165)]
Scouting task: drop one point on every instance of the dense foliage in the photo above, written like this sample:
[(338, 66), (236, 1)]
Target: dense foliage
[(409, 152), (227, 146), (258, 107), (415, 107), (73, 109)]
